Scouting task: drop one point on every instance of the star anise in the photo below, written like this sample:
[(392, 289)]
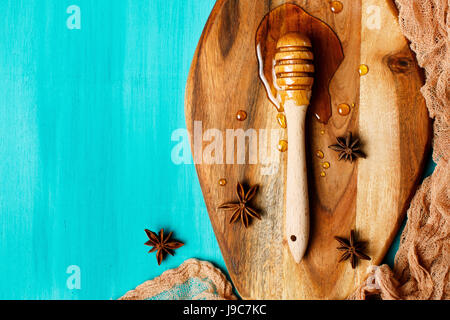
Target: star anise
[(352, 249), (161, 244), (348, 148), (242, 209)]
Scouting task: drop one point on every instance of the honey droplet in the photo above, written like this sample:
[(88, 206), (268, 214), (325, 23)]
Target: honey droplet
[(241, 115), (363, 70), (326, 165), (283, 146), (353, 105), (343, 109), (281, 118), (323, 174), (322, 132), (223, 182), (336, 6), (320, 154)]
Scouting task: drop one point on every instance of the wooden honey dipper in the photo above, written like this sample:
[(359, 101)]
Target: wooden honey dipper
[(294, 78)]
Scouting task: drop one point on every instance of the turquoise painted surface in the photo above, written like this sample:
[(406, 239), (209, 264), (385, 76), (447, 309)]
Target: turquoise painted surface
[(86, 118)]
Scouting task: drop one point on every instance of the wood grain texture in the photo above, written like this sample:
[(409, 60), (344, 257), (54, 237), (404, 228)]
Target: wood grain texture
[(370, 196), (297, 200)]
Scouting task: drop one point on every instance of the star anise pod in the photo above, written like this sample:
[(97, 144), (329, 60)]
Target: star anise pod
[(162, 244), (352, 249), (348, 148), (242, 209)]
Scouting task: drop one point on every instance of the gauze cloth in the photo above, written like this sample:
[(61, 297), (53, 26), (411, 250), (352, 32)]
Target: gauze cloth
[(193, 280), (422, 263)]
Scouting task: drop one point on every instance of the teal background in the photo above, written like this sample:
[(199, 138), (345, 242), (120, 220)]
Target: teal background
[(86, 118)]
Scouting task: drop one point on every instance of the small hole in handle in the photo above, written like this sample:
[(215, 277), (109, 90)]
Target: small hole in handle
[(293, 238)]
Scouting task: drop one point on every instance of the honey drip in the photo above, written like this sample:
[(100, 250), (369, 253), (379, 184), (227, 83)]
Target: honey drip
[(320, 154), (336, 6), (241, 115), (343, 109), (281, 118), (322, 132), (323, 174), (363, 70), (326, 165), (283, 146), (291, 18), (223, 182)]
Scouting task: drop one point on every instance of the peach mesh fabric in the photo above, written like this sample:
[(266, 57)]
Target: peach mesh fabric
[(422, 263), (174, 284)]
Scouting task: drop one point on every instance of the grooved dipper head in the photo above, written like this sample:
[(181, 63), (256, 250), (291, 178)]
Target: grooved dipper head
[(294, 67)]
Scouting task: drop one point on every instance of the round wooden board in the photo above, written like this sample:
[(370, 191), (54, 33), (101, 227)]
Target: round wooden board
[(370, 196)]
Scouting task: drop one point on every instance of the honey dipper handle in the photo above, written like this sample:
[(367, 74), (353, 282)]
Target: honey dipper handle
[(297, 201)]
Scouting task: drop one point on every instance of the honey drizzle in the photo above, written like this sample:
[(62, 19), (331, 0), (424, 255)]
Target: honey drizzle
[(241, 115), (336, 6), (283, 146), (363, 70), (292, 18), (343, 109), (281, 118)]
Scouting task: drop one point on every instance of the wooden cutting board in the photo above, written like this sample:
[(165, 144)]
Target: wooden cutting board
[(370, 196)]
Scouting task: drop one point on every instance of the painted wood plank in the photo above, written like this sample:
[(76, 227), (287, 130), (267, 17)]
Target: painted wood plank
[(86, 121)]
